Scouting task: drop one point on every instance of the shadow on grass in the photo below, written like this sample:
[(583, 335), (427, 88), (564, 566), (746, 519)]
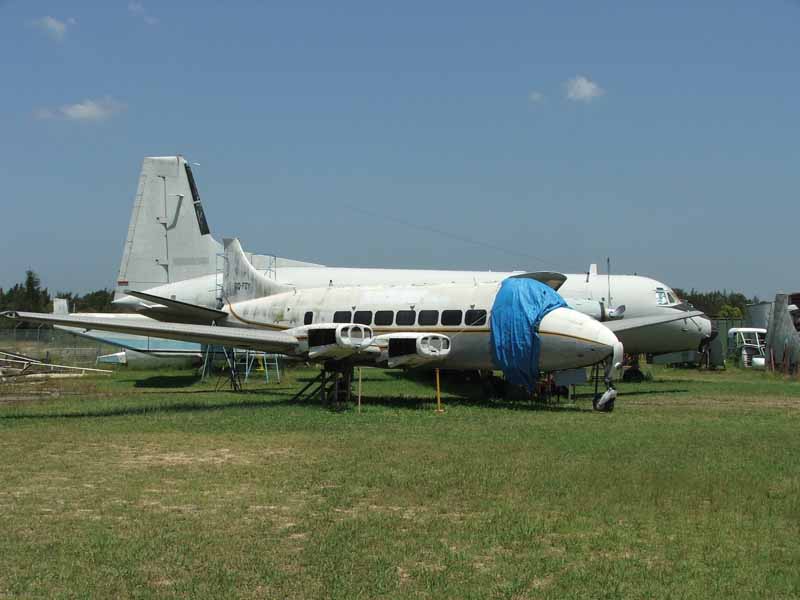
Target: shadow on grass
[(624, 393), (288, 400), (426, 402), (165, 381)]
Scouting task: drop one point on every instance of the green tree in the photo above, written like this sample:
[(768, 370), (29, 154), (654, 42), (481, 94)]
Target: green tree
[(713, 303), (34, 298), (730, 312)]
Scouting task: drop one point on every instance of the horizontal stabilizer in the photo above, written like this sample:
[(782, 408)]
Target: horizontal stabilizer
[(238, 337), (175, 311), (551, 278), (627, 324)]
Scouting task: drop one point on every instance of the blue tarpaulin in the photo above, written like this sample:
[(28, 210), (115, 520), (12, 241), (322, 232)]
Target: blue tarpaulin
[(518, 309)]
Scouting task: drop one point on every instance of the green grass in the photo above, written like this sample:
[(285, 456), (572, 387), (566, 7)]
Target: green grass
[(156, 485)]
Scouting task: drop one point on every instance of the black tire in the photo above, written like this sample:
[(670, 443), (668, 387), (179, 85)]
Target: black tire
[(609, 407)]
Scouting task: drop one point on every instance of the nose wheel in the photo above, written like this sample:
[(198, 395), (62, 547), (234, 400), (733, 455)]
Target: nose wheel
[(604, 402)]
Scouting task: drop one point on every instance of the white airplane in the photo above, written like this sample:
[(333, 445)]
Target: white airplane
[(520, 325), (170, 253)]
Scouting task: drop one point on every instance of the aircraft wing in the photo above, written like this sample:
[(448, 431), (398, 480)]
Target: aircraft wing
[(268, 341), (175, 311), (551, 278), (627, 324)]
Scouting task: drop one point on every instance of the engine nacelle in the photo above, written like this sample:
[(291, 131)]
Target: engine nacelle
[(596, 309), (408, 349), (337, 341)]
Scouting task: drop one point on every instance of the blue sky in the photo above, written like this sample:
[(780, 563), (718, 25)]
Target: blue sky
[(663, 135)]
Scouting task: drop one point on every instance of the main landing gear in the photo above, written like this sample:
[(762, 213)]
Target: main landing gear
[(333, 385), (632, 373)]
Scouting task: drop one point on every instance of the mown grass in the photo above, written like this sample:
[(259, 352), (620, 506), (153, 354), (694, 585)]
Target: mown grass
[(158, 485)]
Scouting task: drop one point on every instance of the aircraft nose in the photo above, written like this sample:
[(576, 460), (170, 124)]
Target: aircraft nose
[(585, 327), (591, 341), (705, 330), (704, 325)]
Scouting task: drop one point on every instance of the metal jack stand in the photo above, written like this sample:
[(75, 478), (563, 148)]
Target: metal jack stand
[(234, 377)]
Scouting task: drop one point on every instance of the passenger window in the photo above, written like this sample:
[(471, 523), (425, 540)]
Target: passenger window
[(475, 318), (406, 317), (363, 316), (451, 317), (342, 316), (384, 317), (428, 317), (309, 318)]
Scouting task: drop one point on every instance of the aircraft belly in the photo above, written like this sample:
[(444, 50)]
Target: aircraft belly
[(473, 351), (675, 336), (469, 350)]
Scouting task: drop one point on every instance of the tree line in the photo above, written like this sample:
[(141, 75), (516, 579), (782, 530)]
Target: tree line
[(722, 304), (29, 295)]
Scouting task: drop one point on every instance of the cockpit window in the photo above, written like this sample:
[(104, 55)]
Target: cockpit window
[(661, 297), (671, 298)]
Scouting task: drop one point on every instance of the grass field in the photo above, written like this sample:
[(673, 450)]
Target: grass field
[(152, 484)]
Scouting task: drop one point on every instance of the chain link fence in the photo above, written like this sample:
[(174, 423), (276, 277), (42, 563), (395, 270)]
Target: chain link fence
[(53, 346)]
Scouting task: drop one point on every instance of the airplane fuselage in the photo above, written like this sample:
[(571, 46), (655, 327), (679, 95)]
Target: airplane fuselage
[(641, 297), (569, 339)]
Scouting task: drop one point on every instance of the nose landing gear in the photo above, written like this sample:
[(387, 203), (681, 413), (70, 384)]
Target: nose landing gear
[(605, 402)]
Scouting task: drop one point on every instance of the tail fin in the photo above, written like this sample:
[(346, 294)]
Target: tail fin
[(60, 306), (168, 237), (241, 281)]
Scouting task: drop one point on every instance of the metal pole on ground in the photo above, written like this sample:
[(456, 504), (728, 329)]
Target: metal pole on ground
[(359, 389), (439, 408)]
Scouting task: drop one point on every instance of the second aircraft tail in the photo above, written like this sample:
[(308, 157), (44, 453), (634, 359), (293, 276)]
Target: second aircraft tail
[(241, 280), (168, 237)]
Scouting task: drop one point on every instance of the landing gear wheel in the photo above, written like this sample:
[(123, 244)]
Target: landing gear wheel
[(605, 403), (607, 407)]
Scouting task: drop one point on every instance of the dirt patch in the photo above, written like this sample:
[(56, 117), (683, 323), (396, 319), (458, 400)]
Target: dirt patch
[(167, 459), (156, 505), (153, 457)]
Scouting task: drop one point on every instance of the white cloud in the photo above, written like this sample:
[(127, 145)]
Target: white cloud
[(583, 89), (137, 10), (88, 110), (536, 97), (54, 28)]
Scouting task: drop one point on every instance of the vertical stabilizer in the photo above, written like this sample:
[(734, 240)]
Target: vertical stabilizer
[(168, 237), (241, 281), (60, 306)]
